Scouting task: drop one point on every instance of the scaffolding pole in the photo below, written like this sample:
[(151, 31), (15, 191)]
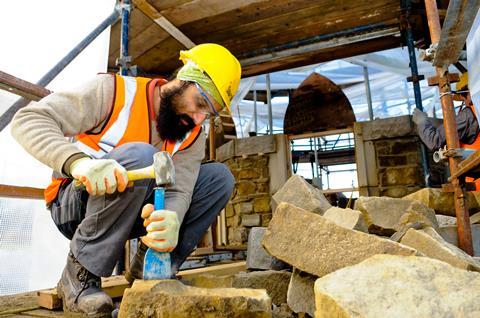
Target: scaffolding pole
[(269, 101), (461, 210), (368, 92)]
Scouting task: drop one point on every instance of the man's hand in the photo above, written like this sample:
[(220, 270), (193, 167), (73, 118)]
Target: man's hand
[(162, 228), (100, 176), (419, 117)]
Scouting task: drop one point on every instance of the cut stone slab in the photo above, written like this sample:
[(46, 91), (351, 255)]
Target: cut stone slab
[(396, 286), (446, 220), (282, 311), (251, 220), (301, 297), (300, 193), (348, 218), (318, 246), (385, 215), (274, 282), (170, 298), (257, 256), (431, 244), (450, 234), (442, 202)]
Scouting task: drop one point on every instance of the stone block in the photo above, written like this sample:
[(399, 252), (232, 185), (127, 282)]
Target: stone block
[(229, 210), (251, 220), (387, 128), (170, 298), (397, 191), (385, 215), (248, 174), (257, 256), (225, 151), (233, 221), (237, 235), (399, 176), (474, 219), (347, 218), (266, 217), (318, 246), (300, 193), (449, 234), (442, 202), (274, 282), (282, 311), (245, 188), (392, 161), (263, 187), (243, 207), (300, 296), (255, 145), (446, 220), (261, 204), (396, 286), (431, 244)]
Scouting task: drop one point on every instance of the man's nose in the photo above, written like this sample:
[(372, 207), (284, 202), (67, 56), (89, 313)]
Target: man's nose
[(198, 118)]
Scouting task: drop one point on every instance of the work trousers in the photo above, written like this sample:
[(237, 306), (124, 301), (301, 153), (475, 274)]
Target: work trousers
[(99, 226)]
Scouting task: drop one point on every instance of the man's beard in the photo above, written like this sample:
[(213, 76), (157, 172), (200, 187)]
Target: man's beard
[(170, 125)]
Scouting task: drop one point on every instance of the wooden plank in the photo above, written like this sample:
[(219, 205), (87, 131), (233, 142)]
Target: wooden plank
[(13, 304), (113, 286), (217, 270), (163, 22), (458, 22), (22, 88), (10, 191)]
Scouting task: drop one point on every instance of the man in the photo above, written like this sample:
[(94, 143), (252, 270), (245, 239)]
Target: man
[(118, 123), (467, 124)]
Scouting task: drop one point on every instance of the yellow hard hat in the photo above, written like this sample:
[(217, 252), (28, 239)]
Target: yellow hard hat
[(463, 82), (219, 64)]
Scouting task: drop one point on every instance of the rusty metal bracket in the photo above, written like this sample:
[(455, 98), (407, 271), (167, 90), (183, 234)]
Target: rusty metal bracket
[(452, 78)]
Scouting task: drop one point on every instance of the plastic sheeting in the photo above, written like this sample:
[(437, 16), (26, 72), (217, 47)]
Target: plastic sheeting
[(473, 53), (391, 94)]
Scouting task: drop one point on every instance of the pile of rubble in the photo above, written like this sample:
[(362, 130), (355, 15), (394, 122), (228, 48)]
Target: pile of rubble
[(387, 257)]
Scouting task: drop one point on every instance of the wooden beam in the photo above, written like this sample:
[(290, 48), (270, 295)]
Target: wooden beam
[(321, 45), (159, 19), (217, 270), (22, 88), (458, 22), (11, 191)]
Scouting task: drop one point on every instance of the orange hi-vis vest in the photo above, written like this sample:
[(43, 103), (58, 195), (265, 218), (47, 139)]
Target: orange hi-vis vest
[(130, 120), (473, 146)]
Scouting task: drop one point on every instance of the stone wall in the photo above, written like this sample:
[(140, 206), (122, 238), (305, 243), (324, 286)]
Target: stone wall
[(260, 166), (389, 160)]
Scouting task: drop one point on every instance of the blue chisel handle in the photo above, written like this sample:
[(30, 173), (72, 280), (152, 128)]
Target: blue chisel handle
[(157, 265)]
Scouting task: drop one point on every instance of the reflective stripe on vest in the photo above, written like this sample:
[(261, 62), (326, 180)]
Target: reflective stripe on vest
[(128, 121)]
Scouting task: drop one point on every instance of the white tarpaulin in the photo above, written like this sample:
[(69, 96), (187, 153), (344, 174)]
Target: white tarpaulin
[(473, 53)]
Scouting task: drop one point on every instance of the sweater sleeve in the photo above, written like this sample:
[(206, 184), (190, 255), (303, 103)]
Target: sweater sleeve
[(434, 137), (41, 127), (187, 166)]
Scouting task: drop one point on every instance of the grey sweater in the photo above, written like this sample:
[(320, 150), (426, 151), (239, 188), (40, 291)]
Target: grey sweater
[(434, 137), (41, 128)]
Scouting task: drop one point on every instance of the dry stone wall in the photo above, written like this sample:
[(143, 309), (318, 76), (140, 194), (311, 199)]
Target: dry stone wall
[(260, 166)]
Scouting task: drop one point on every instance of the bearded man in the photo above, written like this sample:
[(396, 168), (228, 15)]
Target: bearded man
[(117, 124)]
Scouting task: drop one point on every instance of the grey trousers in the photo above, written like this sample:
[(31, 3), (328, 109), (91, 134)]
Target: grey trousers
[(99, 226)]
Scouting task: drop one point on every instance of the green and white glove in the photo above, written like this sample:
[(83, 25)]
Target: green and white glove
[(419, 117), (162, 229), (100, 176)]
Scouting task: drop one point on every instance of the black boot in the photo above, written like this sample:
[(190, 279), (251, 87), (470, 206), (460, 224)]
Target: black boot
[(136, 266), (80, 291)]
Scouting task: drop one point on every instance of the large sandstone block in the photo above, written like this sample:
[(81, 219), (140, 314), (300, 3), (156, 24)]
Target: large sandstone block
[(318, 246), (274, 282), (170, 298), (348, 218), (387, 128), (386, 215), (300, 193), (396, 286), (301, 297), (446, 220), (442, 202), (431, 244)]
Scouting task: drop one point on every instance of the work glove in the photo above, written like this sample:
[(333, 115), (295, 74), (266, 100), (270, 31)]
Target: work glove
[(419, 117), (162, 229), (100, 176)]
